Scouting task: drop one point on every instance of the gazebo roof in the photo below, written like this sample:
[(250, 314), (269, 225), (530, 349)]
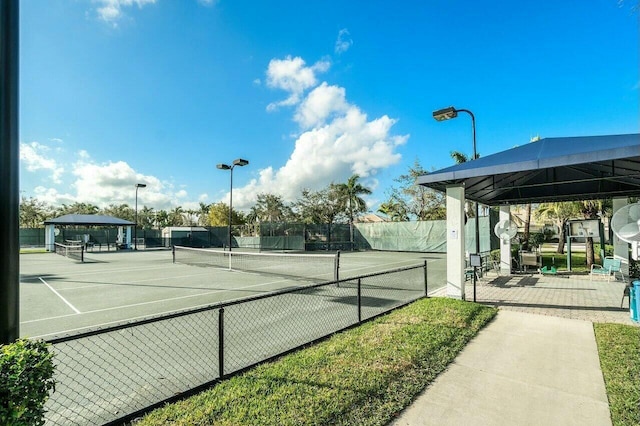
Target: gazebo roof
[(88, 219), (552, 169)]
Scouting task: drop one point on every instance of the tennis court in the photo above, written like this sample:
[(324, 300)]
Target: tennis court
[(61, 296)]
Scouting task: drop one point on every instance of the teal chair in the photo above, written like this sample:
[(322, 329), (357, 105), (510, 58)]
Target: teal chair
[(610, 267)]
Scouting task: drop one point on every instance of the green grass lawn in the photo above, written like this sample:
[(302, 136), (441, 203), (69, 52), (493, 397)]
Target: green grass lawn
[(619, 350), (364, 376)]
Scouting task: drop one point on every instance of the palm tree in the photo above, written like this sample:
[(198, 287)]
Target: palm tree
[(349, 194), (203, 213), (176, 217), (394, 210), (559, 213)]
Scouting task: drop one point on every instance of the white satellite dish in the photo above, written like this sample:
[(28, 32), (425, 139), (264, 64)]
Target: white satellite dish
[(505, 229), (625, 223)]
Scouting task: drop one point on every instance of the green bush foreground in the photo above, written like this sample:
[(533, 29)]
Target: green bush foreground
[(26, 377), (619, 350), (363, 376)]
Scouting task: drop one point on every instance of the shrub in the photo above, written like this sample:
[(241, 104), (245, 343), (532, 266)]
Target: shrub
[(26, 377)]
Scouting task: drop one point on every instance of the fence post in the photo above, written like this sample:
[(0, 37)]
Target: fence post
[(173, 253), (426, 289), (221, 343), (359, 300)]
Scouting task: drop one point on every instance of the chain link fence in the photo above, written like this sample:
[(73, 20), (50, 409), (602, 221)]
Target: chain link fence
[(113, 374)]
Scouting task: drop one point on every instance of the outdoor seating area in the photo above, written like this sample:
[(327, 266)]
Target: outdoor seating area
[(610, 268), (562, 295)]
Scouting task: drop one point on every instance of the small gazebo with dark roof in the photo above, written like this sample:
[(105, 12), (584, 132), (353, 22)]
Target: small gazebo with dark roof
[(85, 220)]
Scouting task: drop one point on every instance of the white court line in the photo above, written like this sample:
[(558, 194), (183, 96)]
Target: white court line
[(369, 266), (60, 296), (148, 303)]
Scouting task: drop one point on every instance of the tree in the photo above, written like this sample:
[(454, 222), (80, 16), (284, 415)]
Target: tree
[(322, 206), (122, 211), (559, 213), (349, 197), (146, 217), (591, 209), (191, 217), (219, 215), (203, 214), (459, 157), (414, 200), (33, 213), (176, 216), (269, 208), (162, 219), (77, 208), (394, 210)]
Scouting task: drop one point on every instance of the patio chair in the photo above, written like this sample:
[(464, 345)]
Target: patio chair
[(610, 267)]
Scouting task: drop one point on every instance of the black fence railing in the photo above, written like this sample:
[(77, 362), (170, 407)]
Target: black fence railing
[(112, 374)]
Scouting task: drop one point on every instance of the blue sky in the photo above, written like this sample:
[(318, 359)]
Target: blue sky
[(116, 92)]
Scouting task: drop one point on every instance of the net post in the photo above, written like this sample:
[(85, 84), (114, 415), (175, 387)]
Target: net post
[(173, 252), (426, 288), (221, 343), (82, 254), (359, 300), (336, 268)]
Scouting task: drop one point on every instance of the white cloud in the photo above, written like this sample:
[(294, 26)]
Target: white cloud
[(293, 76), (114, 183), (338, 139), (320, 104), (344, 41), (111, 10), (33, 156), (208, 2)]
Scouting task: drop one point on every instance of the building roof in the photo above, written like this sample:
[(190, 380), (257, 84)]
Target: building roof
[(88, 219), (551, 169)]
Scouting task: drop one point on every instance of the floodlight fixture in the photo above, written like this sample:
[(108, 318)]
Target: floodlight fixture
[(237, 162), (445, 114)]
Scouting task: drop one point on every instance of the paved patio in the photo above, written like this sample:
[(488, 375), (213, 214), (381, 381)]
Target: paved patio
[(564, 295)]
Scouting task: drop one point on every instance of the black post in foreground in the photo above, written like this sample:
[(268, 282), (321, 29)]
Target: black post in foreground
[(9, 185)]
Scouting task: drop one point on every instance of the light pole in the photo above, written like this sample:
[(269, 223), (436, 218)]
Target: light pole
[(237, 162), (135, 230), (447, 114)]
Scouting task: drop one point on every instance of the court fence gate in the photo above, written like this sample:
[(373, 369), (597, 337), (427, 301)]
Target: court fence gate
[(114, 374)]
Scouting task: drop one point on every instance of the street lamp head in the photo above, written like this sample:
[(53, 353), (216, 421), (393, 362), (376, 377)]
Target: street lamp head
[(141, 185), (240, 162), (445, 114), (223, 166)]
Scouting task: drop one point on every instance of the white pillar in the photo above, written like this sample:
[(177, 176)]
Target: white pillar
[(620, 248), (128, 237), (49, 237), (455, 241), (505, 246)]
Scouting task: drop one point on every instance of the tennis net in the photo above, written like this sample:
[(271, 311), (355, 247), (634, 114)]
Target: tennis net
[(72, 251), (315, 267)]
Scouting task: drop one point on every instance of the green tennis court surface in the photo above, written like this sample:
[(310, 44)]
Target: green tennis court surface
[(61, 296)]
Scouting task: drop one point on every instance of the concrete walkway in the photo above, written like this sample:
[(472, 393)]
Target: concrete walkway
[(522, 369)]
